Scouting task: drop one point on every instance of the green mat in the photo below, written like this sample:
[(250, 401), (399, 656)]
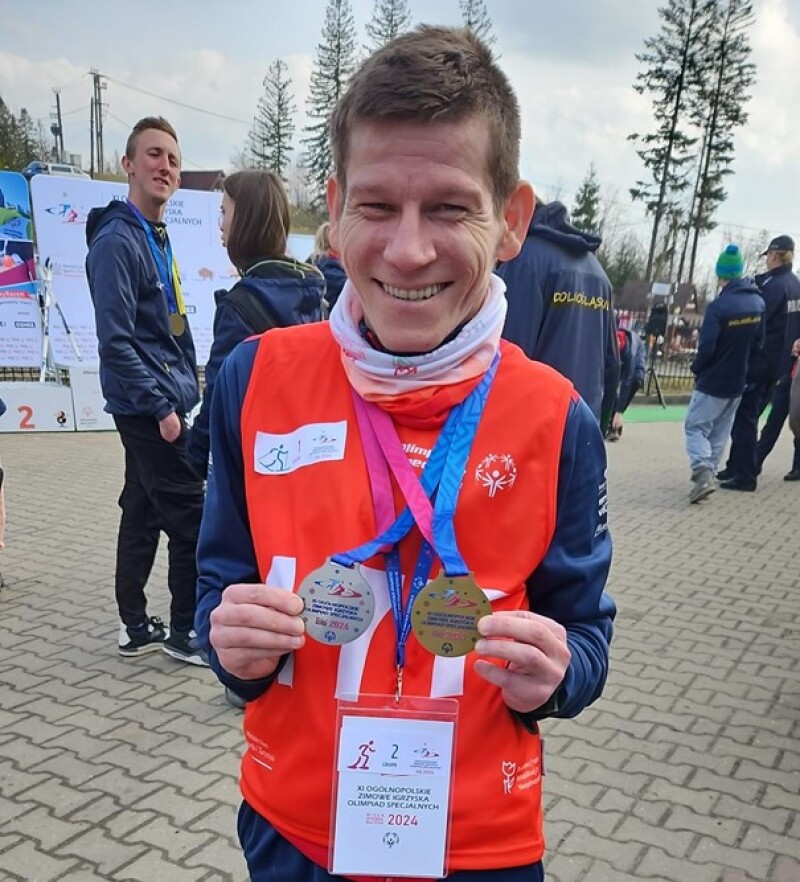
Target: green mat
[(654, 413)]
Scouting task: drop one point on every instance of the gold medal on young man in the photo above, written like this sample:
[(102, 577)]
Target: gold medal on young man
[(446, 612), (177, 324), (338, 604)]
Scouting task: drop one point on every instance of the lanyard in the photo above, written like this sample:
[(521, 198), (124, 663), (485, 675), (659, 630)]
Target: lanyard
[(165, 264), (443, 473)]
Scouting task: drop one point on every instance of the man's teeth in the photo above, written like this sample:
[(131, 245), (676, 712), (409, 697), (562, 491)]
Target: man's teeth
[(413, 293)]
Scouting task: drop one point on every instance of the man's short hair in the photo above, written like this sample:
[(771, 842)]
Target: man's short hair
[(434, 74), (261, 217), (148, 122)]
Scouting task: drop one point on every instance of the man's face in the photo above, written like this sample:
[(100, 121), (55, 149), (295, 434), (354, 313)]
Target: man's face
[(417, 230), (153, 170), (773, 260)]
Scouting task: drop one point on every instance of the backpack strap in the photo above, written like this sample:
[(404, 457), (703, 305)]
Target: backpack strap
[(254, 313)]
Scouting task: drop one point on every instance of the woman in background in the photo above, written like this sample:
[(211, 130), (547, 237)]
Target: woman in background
[(274, 290), (327, 260)]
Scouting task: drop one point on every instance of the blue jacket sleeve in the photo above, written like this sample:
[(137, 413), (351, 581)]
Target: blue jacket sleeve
[(569, 584), (225, 552), (707, 342), (229, 330), (112, 266)]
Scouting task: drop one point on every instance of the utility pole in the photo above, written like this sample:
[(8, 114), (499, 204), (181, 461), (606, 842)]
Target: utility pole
[(57, 128), (91, 137), (97, 102)]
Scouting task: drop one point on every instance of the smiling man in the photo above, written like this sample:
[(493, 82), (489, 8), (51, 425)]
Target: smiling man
[(418, 579), (148, 373)]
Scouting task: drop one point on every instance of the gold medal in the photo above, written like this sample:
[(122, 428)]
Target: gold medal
[(338, 604), (177, 324), (446, 612)]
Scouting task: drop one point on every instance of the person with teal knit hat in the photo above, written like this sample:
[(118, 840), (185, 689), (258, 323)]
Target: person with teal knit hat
[(732, 328), (730, 264)]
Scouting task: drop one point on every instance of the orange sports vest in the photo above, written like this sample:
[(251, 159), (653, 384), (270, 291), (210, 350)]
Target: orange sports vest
[(504, 524)]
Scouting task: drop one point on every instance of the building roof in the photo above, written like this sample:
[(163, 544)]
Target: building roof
[(202, 180)]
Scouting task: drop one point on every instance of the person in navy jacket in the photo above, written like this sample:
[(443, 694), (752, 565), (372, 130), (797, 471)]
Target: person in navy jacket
[(274, 290), (780, 277), (732, 327), (559, 306), (148, 374), (767, 366)]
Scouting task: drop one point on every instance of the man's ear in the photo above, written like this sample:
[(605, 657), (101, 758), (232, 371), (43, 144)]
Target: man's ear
[(335, 199), (126, 165), (516, 217)]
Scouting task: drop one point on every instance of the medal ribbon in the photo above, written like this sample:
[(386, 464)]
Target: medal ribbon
[(443, 471), (166, 265)]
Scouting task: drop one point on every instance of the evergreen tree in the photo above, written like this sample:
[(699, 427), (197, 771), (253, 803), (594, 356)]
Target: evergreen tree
[(389, 18), (718, 111), (676, 65), (586, 211), (270, 140), (335, 63), (624, 263), (21, 139), (476, 18)]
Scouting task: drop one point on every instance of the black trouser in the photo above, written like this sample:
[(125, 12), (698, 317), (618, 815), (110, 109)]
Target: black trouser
[(774, 424), (161, 492), (742, 459)]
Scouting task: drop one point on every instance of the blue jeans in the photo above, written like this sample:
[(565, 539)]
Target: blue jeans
[(270, 858), (708, 424)]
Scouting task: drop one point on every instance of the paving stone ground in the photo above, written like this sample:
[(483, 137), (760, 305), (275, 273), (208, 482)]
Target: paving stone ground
[(687, 770)]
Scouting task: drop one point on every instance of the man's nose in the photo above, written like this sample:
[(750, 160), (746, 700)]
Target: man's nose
[(410, 244)]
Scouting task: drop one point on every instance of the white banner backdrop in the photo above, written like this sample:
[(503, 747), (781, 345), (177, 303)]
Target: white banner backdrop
[(36, 407), (60, 209)]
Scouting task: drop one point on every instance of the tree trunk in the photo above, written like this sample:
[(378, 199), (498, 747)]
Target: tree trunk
[(659, 212)]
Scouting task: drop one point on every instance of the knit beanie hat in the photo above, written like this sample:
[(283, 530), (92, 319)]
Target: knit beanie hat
[(730, 264)]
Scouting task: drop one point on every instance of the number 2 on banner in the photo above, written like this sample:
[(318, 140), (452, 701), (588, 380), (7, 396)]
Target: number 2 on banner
[(27, 415)]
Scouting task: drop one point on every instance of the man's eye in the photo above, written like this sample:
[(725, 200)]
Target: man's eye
[(449, 208), (375, 207)]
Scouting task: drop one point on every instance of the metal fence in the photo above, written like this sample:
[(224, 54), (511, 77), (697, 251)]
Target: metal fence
[(669, 355)]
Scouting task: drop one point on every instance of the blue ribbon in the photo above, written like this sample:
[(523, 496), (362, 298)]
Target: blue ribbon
[(442, 476), (163, 259)]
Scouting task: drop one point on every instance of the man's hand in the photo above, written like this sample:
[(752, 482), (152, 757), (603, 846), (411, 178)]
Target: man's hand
[(170, 427), (534, 649), (253, 626), (616, 422), (796, 348)]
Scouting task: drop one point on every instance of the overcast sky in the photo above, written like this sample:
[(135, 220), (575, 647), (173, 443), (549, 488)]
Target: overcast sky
[(572, 63)]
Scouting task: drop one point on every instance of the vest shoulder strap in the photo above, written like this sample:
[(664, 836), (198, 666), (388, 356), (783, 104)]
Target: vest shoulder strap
[(254, 312)]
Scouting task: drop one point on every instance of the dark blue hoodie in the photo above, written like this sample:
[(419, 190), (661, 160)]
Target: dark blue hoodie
[(335, 277), (781, 285), (292, 293), (144, 369), (732, 329), (559, 306)]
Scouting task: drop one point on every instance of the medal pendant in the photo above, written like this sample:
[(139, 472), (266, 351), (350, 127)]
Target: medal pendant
[(338, 604), (177, 324), (446, 612)]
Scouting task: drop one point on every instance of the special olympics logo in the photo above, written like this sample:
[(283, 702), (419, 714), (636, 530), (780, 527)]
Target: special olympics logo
[(390, 839), (496, 472)]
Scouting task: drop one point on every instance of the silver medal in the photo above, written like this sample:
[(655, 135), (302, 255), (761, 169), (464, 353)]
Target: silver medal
[(338, 604)]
